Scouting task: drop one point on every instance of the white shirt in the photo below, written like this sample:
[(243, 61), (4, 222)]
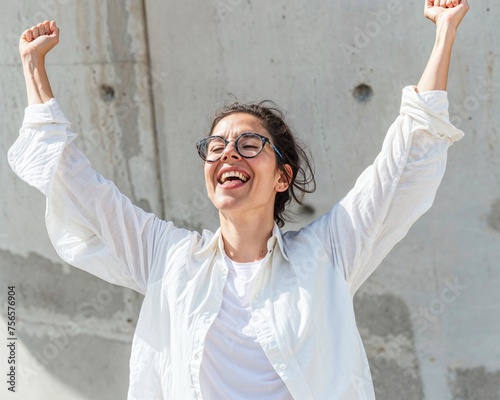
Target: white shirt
[(234, 362), (301, 300)]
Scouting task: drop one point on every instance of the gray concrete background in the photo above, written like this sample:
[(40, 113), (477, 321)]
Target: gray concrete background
[(140, 82)]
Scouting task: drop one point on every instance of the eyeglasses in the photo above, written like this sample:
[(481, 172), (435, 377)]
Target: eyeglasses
[(248, 145)]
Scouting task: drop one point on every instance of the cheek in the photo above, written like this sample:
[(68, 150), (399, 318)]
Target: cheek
[(207, 172)]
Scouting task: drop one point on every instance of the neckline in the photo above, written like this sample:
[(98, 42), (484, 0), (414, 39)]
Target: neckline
[(243, 265)]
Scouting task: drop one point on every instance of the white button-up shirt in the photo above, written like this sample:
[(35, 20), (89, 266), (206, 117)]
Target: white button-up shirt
[(302, 306)]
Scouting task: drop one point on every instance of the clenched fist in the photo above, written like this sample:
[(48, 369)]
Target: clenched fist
[(38, 40), (449, 12)]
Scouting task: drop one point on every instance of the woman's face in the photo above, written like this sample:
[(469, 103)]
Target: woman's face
[(253, 182)]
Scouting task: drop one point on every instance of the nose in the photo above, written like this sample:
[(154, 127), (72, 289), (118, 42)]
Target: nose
[(230, 152)]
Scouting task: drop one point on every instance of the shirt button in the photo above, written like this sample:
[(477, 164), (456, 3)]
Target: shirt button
[(197, 355), (283, 366), (224, 270)]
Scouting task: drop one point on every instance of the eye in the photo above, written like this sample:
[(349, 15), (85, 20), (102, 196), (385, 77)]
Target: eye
[(250, 143), (215, 145), (248, 146), (216, 149)]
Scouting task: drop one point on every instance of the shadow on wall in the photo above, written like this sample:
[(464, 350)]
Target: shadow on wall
[(76, 327), (494, 216), (475, 383), (390, 345)]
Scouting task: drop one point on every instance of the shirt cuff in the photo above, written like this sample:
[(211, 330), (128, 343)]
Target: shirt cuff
[(430, 111), (46, 113), (437, 100)]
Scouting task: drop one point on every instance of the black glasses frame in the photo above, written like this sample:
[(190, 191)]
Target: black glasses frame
[(201, 145)]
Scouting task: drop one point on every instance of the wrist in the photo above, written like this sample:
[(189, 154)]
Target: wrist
[(445, 37), (37, 83), (32, 61), (446, 29)]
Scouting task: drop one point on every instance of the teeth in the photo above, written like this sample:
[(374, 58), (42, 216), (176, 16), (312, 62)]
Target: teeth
[(233, 174)]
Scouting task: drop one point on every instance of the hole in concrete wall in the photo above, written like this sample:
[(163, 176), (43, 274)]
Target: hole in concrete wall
[(363, 93), (107, 93), (494, 216)]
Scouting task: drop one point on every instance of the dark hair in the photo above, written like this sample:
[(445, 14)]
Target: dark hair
[(293, 151)]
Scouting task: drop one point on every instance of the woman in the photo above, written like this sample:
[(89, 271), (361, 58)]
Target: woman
[(245, 312)]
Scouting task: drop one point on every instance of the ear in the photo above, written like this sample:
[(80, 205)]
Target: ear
[(284, 179)]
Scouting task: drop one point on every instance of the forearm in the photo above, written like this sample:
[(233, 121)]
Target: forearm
[(37, 82), (447, 15), (435, 76)]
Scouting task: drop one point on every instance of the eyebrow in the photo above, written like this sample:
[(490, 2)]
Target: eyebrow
[(240, 133)]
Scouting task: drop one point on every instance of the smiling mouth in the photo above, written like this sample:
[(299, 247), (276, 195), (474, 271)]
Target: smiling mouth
[(232, 176)]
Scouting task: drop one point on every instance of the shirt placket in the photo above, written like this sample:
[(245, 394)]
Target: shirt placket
[(205, 321), (287, 368)]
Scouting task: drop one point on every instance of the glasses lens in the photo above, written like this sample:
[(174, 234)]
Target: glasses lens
[(249, 145), (212, 148)]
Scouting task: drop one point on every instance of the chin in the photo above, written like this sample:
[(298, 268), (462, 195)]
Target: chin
[(226, 204)]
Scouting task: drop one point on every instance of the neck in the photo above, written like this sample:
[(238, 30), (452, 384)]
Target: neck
[(245, 237)]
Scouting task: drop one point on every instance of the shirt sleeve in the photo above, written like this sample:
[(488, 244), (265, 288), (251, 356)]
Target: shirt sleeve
[(90, 223), (392, 193)]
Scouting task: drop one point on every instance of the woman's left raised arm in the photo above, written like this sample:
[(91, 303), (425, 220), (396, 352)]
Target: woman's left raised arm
[(401, 184)]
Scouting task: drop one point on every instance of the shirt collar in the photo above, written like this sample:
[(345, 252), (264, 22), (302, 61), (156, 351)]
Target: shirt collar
[(216, 243), (277, 237)]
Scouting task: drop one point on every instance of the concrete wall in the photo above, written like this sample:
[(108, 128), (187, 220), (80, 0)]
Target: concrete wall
[(140, 84)]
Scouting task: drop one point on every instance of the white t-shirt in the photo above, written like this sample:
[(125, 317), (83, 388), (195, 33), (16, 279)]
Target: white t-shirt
[(234, 365)]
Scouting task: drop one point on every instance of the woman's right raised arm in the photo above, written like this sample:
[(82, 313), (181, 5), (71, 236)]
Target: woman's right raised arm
[(91, 224), (34, 45)]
